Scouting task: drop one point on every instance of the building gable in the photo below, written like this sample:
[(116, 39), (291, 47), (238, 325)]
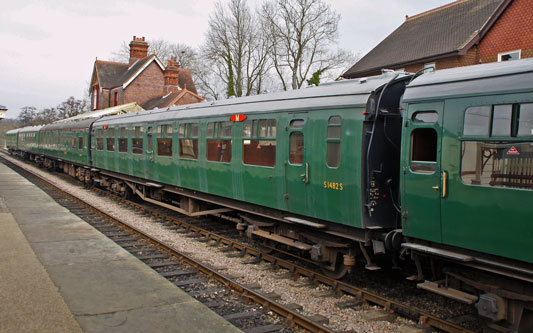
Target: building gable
[(446, 31)]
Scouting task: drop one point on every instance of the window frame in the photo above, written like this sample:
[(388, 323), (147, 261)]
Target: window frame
[(217, 134), (333, 140), (186, 136), (502, 54), (256, 137)]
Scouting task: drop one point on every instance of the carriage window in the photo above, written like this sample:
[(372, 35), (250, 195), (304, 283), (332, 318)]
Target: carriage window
[(149, 142), (164, 147), (80, 143), (525, 120), (219, 148), (247, 129), (123, 140), (188, 142), (497, 164), (137, 140), (297, 123), (110, 146), (260, 148), (423, 150), (100, 144), (501, 120), (477, 120), (426, 117), (296, 148), (333, 153), (73, 143)]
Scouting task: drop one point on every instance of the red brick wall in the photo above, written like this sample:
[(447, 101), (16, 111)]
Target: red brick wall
[(512, 31), (150, 83)]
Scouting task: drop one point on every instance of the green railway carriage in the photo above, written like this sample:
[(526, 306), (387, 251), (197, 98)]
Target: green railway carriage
[(28, 140), (66, 141), (12, 139), (299, 153), (467, 159)]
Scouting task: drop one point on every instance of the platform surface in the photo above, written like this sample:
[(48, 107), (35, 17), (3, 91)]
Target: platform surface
[(59, 274)]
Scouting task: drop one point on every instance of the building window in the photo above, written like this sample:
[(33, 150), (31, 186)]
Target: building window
[(219, 141), (188, 141), (429, 66), (116, 98), (512, 55), (259, 144)]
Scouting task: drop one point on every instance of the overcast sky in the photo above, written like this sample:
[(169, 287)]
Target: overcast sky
[(48, 47)]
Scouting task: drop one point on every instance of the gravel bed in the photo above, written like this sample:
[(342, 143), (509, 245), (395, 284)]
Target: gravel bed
[(269, 281)]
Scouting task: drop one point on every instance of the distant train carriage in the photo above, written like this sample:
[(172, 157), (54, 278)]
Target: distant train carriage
[(12, 139), (65, 144), (28, 141)]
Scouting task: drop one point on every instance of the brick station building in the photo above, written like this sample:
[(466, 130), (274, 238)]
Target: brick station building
[(144, 80), (461, 33)]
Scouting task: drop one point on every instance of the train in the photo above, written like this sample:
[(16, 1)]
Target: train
[(432, 170)]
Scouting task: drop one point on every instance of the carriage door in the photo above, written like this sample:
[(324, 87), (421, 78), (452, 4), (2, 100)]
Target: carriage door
[(149, 160), (297, 166), (422, 176)]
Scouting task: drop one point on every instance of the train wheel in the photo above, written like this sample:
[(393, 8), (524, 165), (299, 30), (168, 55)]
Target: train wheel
[(340, 269)]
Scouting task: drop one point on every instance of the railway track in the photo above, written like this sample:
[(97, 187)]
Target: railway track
[(166, 259)]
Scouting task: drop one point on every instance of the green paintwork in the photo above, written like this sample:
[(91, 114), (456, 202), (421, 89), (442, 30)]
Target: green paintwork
[(276, 187), (421, 202), (487, 219), (11, 140)]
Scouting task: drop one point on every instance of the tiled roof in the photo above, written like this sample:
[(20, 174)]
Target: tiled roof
[(109, 73), (443, 31), (114, 74), (164, 101)]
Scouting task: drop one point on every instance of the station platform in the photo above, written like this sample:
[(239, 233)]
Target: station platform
[(59, 274)]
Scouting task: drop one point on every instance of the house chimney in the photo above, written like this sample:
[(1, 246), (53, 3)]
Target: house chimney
[(138, 49), (171, 76)]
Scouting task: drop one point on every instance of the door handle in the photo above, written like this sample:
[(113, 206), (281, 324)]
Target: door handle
[(436, 187), (305, 176), (444, 184)]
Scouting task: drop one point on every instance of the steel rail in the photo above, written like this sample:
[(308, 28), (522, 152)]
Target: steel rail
[(424, 318), (270, 305)]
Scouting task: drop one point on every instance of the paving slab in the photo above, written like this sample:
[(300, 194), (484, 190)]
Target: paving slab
[(23, 280), (72, 278)]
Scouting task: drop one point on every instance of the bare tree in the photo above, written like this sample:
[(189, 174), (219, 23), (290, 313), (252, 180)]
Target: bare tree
[(46, 116), (301, 35), (235, 45), (27, 115), (71, 107)]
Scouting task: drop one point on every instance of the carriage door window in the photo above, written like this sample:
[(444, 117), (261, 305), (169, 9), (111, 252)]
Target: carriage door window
[(149, 141), (333, 155), (296, 144), (424, 150)]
